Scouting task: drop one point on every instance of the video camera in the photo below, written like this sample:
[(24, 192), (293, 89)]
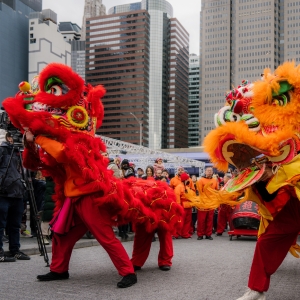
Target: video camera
[(6, 124)]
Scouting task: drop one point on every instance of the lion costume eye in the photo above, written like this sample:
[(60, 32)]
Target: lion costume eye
[(56, 90), (282, 97), (55, 86), (281, 100)]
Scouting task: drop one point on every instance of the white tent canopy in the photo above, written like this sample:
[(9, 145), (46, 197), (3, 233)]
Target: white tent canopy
[(142, 156)]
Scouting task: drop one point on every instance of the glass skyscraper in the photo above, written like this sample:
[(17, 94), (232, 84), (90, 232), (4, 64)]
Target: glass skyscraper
[(194, 109), (117, 56), (14, 33), (92, 8), (165, 57), (238, 40)]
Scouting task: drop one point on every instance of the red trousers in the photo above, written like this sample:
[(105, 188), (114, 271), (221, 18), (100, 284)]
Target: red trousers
[(223, 217), (205, 222), (186, 226), (89, 217), (142, 244), (273, 246)]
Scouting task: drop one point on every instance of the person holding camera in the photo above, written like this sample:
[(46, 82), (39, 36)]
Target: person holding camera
[(11, 200)]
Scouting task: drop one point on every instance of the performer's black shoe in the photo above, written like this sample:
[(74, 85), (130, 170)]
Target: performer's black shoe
[(137, 268), (127, 281), (53, 276), (209, 237), (218, 234), (165, 268), (200, 238)]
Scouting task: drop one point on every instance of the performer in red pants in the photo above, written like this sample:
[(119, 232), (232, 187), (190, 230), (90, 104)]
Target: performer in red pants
[(205, 224), (180, 190), (223, 218), (274, 244), (186, 227), (224, 211), (142, 244), (205, 218), (84, 218)]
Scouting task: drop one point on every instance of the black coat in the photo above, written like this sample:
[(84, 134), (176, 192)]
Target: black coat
[(11, 185), (48, 201)]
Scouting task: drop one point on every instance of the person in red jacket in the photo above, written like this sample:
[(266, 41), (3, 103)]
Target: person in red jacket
[(180, 191), (205, 218)]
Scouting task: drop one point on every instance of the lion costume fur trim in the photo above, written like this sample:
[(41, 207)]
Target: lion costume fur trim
[(242, 135)]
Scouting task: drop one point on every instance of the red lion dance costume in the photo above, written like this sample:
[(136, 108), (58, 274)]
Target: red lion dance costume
[(258, 131), (63, 116)]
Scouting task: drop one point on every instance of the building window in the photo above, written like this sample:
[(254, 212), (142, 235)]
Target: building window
[(32, 41), (31, 35), (31, 23), (31, 28)]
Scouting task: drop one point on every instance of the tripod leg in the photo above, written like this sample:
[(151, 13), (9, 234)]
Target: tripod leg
[(39, 235), (32, 202)]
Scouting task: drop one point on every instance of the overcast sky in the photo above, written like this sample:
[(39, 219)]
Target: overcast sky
[(187, 12)]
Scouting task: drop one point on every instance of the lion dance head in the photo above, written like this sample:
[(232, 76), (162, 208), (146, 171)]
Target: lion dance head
[(57, 103), (260, 122)]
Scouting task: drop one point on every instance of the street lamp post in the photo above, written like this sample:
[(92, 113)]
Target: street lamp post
[(140, 123)]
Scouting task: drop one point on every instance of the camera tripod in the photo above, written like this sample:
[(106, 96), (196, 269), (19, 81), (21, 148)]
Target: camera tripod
[(36, 217), (32, 202)]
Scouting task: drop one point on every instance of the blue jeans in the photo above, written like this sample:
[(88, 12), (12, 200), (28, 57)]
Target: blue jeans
[(11, 210)]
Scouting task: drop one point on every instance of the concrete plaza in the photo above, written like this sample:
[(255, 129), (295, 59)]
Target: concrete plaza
[(202, 270)]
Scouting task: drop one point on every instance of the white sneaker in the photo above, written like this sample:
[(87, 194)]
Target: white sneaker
[(252, 295), (46, 242)]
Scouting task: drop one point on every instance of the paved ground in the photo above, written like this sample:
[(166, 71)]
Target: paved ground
[(30, 246), (202, 270)]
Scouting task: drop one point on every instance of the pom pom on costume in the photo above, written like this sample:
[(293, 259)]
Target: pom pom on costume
[(184, 177)]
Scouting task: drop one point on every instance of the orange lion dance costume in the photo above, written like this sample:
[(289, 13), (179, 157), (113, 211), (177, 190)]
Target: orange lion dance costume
[(258, 132), (60, 121)]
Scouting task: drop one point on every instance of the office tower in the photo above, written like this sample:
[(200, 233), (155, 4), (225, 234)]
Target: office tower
[(70, 31), (92, 8), (178, 86), (78, 57), (118, 58), (215, 55), (163, 56), (14, 43), (238, 39), (194, 109), (46, 43)]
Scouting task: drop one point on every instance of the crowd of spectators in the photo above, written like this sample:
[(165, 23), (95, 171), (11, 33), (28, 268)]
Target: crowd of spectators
[(204, 223)]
